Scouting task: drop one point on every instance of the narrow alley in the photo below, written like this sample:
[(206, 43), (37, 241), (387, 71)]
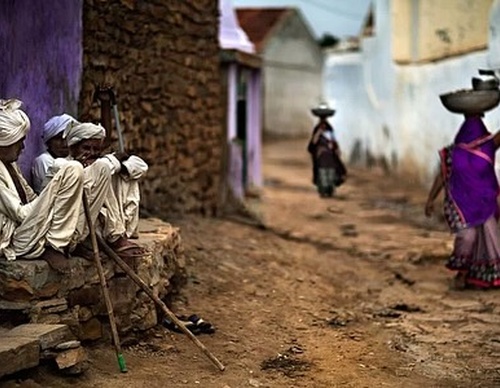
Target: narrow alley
[(342, 292)]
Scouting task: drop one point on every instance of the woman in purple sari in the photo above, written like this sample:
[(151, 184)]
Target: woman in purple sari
[(470, 204)]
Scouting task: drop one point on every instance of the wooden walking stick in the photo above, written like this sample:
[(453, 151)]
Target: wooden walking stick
[(104, 286), (124, 266)]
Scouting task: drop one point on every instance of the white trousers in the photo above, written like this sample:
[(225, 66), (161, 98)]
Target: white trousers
[(58, 219), (54, 216)]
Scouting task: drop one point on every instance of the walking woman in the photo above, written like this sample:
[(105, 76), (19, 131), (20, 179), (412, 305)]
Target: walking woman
[(470, 204), (328, 169)]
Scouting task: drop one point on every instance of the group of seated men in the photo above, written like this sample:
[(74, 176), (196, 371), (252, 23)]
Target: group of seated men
[(48, 221)]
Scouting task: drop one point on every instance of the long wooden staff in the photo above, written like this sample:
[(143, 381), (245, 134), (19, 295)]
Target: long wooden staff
[(124, 266), (104, 287)]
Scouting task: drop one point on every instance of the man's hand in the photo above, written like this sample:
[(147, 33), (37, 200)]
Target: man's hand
[(121, 156), (85, 159)]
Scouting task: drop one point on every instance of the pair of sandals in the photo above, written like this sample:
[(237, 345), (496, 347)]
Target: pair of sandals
[(193, 323)]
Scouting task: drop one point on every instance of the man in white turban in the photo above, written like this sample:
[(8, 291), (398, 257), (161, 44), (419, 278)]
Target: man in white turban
[(32, 226), (55, 148), (111, 182)]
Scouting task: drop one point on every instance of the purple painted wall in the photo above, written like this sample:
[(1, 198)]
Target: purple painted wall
[(41, 61), (253, 148)]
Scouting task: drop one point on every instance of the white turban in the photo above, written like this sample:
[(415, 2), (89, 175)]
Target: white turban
[(83, 131), (56, 125), (14, 123)]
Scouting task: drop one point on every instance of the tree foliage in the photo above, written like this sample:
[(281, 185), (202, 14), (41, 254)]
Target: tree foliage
[(328, 40)]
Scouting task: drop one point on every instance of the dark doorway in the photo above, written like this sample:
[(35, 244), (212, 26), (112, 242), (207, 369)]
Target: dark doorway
[(241, 121)]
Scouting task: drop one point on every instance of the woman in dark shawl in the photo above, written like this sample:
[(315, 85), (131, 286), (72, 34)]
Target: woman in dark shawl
[(328, 169), (470, 204)]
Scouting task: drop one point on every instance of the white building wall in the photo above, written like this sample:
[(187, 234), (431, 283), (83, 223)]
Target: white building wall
[(494, 39), (292, 81), (393, 112)]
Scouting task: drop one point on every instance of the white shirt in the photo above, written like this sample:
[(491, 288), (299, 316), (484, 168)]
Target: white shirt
[(39, 170)]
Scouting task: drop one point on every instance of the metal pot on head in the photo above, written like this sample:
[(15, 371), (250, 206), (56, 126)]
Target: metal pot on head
[(487, 80)]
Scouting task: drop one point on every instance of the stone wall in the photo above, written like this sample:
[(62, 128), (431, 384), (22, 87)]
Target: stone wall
[(162, 58), (32, 292)]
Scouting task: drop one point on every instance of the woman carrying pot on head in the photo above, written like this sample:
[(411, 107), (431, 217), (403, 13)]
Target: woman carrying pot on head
[(470, 204), (328, 170)]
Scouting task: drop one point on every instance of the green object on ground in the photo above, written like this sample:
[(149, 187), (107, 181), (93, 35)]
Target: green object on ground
[(121, 363)]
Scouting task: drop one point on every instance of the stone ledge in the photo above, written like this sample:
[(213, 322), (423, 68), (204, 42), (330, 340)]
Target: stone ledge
[(33, 292), (24, 346)]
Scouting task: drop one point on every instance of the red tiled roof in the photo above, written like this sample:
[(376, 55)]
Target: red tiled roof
[(259, 22)]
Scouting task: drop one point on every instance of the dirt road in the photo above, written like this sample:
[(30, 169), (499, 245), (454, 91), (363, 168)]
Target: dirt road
[(343, 292)]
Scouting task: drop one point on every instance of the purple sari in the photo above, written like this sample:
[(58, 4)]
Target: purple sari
[(470, 205), (469, 174)]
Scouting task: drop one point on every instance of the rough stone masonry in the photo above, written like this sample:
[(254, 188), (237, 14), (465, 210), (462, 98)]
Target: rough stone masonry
[(32, 292), (162, 57)]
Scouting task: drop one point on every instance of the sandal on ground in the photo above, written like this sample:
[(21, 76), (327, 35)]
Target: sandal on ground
[(203, 326), (170, 325)]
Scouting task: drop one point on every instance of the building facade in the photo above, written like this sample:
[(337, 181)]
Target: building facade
[(162, 59), (387, 93), (292, 68)]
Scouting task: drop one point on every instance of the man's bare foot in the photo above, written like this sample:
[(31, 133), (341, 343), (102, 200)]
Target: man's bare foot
[(56, 260)]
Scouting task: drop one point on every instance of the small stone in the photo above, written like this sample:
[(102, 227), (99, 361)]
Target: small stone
[(71, 357), (254, 383), (68, 345)]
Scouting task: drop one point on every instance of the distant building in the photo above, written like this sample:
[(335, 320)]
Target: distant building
[(387, 93), (292, 68), (242, 96)]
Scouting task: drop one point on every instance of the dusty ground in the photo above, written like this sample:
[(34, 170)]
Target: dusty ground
[(344, 292)]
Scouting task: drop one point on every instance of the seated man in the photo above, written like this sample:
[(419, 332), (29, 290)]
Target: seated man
[(32, 226), (55, 148), (111, 185), (125, 183)]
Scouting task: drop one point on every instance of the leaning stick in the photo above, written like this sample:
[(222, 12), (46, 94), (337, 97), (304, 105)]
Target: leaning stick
[(124, 266), (104, 286)]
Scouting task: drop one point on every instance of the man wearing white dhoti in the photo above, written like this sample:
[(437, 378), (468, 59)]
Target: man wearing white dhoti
[(32, 226), (111, 182), (125, 170), (55, 148)]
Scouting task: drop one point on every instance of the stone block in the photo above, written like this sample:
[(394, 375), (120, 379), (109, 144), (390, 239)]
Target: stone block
[(90, 330), (71, 357), (22, 280), (122, 292), (92, 277), (76, 277), (5, 305), (48, 336), (51, 306), (84, 314), (49, 319), (18, 353), (85, 296), (68, 345)]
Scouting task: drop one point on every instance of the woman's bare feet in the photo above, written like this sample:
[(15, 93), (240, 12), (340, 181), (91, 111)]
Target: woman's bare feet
[(459, 282)]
